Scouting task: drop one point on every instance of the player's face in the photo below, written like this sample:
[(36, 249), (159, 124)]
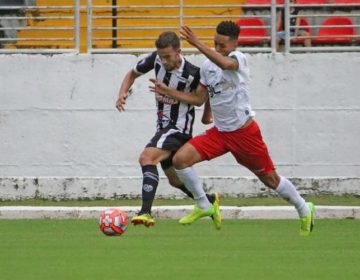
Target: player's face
[(170, 58), (224, 44)]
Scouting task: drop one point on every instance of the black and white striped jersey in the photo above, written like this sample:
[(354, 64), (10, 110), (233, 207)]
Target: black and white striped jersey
[(186, 78)]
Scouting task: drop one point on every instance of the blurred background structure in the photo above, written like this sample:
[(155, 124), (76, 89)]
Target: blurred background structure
[(128, 26)]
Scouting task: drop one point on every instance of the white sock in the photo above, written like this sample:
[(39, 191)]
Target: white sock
[(287, 191), (192, 182)]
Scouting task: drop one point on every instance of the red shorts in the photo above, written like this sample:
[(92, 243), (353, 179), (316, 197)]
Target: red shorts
[(246, 145)]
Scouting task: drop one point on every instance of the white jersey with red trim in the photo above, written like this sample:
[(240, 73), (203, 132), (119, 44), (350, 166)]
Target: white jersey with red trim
[(228, 93)]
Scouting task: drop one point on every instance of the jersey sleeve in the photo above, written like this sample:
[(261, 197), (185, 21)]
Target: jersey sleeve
[(202, 75), (196, 80), (146, 64), (241, 59)]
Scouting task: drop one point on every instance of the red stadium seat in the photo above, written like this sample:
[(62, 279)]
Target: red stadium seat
[(304, 25), (333, 35), (246, 33), (346, 2), (257, 2), (262, 2), (310, 2)]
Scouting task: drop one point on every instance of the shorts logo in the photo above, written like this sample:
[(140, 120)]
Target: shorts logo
[(148, 188)]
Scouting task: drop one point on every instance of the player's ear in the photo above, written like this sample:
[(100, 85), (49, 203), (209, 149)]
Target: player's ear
[(234, 42)]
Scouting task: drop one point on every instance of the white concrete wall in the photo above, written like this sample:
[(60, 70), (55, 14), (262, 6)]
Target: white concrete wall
[(58, 119)]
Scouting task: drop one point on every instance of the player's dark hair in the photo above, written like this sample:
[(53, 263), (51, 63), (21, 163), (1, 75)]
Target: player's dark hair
[(228, 28), (168, 39)]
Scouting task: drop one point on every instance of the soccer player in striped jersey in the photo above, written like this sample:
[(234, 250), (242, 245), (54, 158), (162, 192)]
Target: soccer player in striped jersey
[(174, 120), (225, 83)]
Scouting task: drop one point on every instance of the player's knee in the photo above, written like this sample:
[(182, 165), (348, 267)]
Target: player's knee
[(144, 159), (178, 162), (271, 180), (271, 184)]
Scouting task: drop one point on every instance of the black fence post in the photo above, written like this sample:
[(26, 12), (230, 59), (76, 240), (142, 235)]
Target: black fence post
[(114, 24)]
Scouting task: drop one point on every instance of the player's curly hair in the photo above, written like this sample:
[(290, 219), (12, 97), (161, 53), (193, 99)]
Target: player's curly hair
[(168, 39), (228, 28)]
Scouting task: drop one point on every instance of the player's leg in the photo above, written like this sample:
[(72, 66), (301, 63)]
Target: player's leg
[(250, 150), (165, 142), (205, 146), (307, 41), (148, 160), (183, 161), (279, 39), (174, 180), (288, 192)]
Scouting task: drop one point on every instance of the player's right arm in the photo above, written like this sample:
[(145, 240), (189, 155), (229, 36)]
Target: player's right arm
[(126, 84), (207, 117), (196, 98), (142, 67)]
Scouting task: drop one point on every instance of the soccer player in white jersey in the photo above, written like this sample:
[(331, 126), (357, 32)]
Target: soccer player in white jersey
[(224, 83), (174, 123)]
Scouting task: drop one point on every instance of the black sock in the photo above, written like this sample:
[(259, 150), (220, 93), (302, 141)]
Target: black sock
[(150, 183), (210, 197), (186, 191)]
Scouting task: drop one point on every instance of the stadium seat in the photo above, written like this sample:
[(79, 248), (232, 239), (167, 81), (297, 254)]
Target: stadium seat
[(262, 2), (252, 36), (304, 25), (346, 2), (135, 30), (311, 2), (334, 35)]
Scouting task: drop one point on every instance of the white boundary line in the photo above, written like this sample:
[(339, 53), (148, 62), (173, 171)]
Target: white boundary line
[(175, 212)]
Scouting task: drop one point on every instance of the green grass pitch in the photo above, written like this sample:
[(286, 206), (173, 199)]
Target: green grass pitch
[(243, 249)]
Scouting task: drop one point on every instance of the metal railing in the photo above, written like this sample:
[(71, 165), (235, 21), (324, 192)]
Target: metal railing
[(14, 23), (179, 17), (268, 13), (123, 29), (343, 10)]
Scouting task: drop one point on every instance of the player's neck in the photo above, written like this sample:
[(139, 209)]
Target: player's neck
[(178, 63), (231, 51)]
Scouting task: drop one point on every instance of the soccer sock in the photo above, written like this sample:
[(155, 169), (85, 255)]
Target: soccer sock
[(210, 197), (186, 191), (150, 183), (190, 179), (287, 191)]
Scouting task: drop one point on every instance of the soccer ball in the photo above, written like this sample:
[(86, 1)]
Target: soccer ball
[(113, 222)]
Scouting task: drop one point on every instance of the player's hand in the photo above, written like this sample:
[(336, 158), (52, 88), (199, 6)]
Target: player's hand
[(187, 34), (158, 87), (121, 101)]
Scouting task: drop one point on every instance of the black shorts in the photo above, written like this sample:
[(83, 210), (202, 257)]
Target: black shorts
[(171, 139)]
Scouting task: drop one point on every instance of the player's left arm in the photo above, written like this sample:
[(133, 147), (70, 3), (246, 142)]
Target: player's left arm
[(224, 62), (197, 97)]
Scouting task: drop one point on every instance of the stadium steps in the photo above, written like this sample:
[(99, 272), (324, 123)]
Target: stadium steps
[(134, 22)]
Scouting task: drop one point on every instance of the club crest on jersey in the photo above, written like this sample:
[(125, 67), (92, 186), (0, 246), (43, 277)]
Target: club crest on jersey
[(223, 85), (165, 99)]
